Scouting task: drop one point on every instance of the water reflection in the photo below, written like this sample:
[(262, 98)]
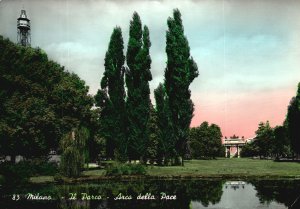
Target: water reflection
[(143, 194), (240, 194), (285, 192)]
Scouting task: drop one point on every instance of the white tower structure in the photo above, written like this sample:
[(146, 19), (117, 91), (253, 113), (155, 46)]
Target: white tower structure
[(23, 29)]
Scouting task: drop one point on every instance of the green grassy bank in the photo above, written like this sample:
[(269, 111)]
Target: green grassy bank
[(231, 167), (220, 168)]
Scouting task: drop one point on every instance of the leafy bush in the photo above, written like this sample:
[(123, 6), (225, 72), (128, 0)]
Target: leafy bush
[(18, 174), (46, 169), (41, 167), (118, 169), (15, 174)]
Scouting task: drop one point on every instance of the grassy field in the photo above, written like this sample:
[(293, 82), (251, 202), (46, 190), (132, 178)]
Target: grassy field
[(230, 167), (220, 168)]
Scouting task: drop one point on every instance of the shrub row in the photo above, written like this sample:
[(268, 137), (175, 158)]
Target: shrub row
[(118, 169)]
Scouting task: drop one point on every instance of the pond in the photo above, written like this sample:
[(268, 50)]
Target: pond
[(148, 194)]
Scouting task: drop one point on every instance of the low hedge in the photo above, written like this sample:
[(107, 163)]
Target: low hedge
[(119, 169)]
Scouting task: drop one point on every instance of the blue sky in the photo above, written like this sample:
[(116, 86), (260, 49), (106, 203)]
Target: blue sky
[(247, 51)]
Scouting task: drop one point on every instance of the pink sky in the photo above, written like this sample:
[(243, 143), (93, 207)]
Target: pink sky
[(241, 114)]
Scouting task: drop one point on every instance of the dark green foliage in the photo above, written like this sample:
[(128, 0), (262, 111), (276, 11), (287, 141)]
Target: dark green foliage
[(280, 143), (96, 144), (293, 121), (221, 151), (74, 153), (181, 70), (264, 135), (269, 142), (205, 141), (18, 174), (261, 146), (15, 174), (42, 167), (125, 169), (153, 149), (111, 98), (40, 101), (137, 77), (249, 150), (164, 123)]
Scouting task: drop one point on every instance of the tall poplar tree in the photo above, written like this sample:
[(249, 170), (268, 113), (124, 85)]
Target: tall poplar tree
[(138, 76), (293, 121), (181, 70), (164, 123), (111, 98), (153, 132)]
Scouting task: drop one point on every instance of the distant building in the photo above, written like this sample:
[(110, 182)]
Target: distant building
[(233, 146)]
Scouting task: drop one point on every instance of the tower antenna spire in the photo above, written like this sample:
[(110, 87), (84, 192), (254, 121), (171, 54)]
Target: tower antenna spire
[(23, 26)]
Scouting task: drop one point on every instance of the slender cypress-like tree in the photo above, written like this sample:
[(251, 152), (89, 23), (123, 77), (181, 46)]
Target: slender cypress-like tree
[(293, 121), (181, 70), (111, 98), (166, 136), (153, 132), (138, 76)]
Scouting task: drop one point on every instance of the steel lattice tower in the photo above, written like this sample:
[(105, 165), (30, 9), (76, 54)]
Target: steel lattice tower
[(23, 29)]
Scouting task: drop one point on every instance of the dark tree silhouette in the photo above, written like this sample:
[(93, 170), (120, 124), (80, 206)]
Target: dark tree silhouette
[(111, 98), (181, 70), (137, 77)]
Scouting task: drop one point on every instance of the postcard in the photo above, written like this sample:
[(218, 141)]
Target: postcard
[(176, 104)]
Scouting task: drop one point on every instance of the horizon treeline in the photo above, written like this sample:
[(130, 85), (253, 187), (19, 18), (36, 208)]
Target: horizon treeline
[(133, 129)]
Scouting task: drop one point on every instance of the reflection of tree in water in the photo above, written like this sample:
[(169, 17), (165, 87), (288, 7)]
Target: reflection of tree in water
[(286, 192), (204, 191), (64, 192), (78, 204)]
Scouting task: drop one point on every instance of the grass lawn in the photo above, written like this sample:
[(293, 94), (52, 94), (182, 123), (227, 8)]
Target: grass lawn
[(221, 168), (94, 173), (42, 179), (243, 167)]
